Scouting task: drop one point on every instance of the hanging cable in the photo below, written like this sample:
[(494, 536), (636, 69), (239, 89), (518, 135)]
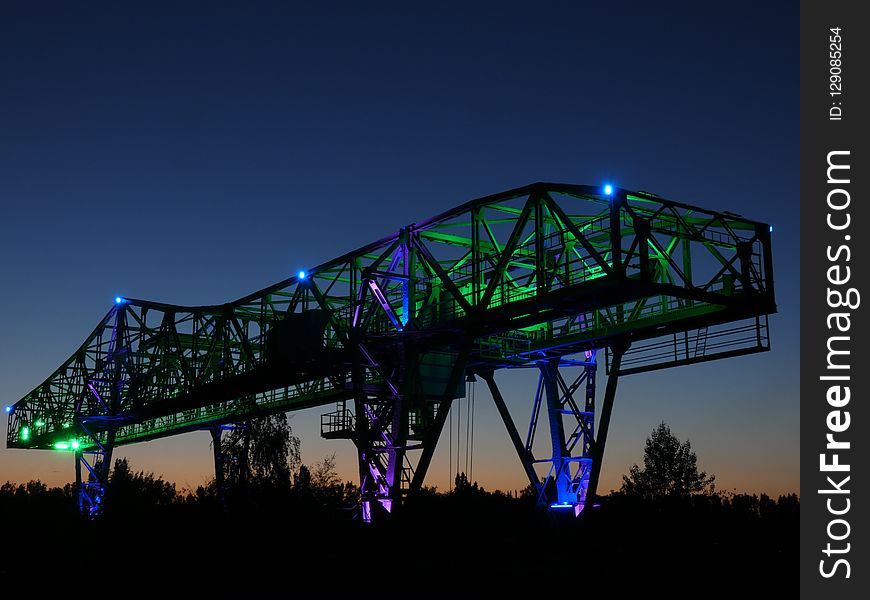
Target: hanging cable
[(450, 463), (470, 390), (471, 446), (458, 433)]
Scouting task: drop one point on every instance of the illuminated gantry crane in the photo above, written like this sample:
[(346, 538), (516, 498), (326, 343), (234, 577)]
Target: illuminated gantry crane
[(541, 276)]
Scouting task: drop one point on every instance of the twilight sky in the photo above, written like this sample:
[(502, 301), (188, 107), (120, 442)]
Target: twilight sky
[(194, 157)]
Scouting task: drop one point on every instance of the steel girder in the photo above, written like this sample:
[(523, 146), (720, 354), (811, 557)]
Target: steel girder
[(536, 273)]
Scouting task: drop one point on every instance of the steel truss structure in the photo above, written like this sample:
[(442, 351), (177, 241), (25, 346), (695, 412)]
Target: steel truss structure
[(542, 276)]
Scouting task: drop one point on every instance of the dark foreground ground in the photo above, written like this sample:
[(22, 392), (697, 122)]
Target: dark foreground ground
[(441, 546)]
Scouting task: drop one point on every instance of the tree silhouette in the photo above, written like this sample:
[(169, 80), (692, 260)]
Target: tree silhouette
[(264, 449), (463, 487), (324, 475), (130, 491), (327, 486), (302, 479), (670, 469)]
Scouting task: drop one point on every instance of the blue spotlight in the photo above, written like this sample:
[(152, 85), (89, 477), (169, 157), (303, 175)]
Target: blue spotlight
[(118, 299), (608, 189), (9, 409), (771, 229), (302, 275)]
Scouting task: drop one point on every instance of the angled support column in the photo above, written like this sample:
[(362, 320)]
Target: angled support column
[(523, 454), (430, 439)]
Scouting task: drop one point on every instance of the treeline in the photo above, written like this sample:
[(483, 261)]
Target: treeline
[(130, 491), (308, 527), (274, 521), (320, 488)]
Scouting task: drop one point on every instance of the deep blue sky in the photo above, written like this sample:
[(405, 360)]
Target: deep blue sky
[(195, 157)]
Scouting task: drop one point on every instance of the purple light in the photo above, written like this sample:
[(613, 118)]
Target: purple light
[(97, 395)]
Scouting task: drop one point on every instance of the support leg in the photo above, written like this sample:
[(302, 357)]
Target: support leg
[(565, 494), (91, 492), (78, 490), (430, 440), (570, 458), (382, 428), (381, 455), (604, 422), (219, 465), (367, 481), (524, 456)]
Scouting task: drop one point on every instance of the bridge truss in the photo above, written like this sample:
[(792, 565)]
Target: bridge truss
[(542, 276)]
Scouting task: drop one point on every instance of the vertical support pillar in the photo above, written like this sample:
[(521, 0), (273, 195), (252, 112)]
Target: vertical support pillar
[(589, 409), (105, 462), (618, 349), (766, 285), (215, 431), (219, 465), (376, 416), (244, 459), (377, 422), (570, 455), (587, 425), (91, 491), (367, 480), (79, 491), (396, 449), (562, 480)]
